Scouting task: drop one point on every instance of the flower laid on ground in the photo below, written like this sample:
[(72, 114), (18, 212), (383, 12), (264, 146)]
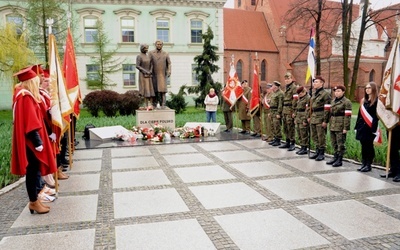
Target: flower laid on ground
[(156, 133), (125, 136), (187, 132)]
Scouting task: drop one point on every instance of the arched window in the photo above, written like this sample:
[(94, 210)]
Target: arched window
[(239, 3), (263, 70), (253, 2), (239, 69), (372, 76)]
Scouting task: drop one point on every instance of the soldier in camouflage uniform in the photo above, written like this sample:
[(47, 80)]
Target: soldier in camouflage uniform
[(301, 122), (243, 107), (320, 103), (276, 106), (265, 101), (339, 124), (289, 104)]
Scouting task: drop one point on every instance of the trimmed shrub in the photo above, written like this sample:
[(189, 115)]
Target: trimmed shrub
[(109, 102), (92, 103), (177, 101), (129, 102)]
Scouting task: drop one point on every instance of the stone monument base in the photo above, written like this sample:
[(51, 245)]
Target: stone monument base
[(164, 117), (105, 133)]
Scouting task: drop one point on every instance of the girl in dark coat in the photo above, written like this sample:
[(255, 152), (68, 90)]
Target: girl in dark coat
[(366, 125)]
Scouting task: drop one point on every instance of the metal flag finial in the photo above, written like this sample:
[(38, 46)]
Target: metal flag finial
[(49, 23)]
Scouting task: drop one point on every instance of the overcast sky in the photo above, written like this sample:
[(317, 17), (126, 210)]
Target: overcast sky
[(375, 4)]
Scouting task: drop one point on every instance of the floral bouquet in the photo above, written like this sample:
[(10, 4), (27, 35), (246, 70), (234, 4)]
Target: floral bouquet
[(187, 132), (125, 136), (156, 133)]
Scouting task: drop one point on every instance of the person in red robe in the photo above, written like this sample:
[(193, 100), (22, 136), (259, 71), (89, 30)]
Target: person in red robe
[(31, 147)]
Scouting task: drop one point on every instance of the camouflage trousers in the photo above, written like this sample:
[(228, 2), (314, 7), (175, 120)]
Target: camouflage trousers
[(289, 127), (276, 126), (318, 135), (303, 134), (338, 140), (268, 123)]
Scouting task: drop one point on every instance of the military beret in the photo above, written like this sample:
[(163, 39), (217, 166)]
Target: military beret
[(300, 89), (319, 78), (288, 75), (343, 88), (277, 83)]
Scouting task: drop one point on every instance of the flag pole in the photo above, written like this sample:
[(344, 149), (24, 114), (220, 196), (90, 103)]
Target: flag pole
[(49, 23), (388, 153)]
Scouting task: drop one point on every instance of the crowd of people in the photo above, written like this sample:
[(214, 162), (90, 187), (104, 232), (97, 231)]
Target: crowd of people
[(292, 109), (35, 150)]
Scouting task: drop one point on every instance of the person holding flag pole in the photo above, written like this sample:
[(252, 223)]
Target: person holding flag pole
[(388, 107), (254, 108), (310, 75)]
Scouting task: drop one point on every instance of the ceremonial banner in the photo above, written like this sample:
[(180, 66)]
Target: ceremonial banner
[(255, 93), (311, 57), (232, 91)]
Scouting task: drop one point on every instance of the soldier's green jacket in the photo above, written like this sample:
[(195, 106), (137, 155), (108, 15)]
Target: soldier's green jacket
[(319, 104), (301, 110), (290, 98), (340, 115), (243, 104), (276, 104)]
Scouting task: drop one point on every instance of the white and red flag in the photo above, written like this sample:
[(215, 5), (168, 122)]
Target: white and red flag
[(232, 91), (255, 93), (71, 75)]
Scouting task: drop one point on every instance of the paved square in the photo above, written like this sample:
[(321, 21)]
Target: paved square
[(277, 153), (130, 151), (272, 229), (63, 210), (174, 235), (227, 195), (139, 178), (149, 202), (206, 173), (77, 183), (178, 148), (77, 240), (88, 154), (390, 201), (296, 188), (252, 144), (260, 168), (186, 159), (136, 162), (218, 146), (85, 166), (238, 155), (306, 165), (353, 219), (355, 181)]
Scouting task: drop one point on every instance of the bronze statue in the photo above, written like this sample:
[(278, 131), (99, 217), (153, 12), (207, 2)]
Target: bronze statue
[(143, 64), (161, 70)]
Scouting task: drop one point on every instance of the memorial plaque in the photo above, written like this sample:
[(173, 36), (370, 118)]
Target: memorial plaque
[(164, 117)]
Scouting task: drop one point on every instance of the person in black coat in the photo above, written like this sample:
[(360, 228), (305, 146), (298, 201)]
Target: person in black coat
[(366, 125)]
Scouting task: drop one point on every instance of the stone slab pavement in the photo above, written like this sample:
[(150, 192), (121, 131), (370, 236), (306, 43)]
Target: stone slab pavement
[(238, 194)]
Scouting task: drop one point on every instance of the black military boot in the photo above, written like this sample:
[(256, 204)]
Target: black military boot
[(333, 160), (321, 155), (272, 142), (367, 167), (292, 146), (362, 165), (286, 145), (315, 155), (303, 151), (277, 142), (338, 162), (300, 150)]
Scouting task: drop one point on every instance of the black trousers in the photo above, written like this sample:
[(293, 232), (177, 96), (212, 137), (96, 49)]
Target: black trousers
[(367, 150), (394, 151), (31, 179)]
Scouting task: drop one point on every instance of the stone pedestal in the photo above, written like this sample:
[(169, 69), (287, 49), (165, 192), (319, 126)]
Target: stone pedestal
[(164, 117)]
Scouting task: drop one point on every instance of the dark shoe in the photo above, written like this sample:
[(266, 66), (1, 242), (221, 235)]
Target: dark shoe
[(292, 147), (362, 165), (247, 132), (227, 130), (315, 155), (302, 151), (367, 168), (254, 134), (276, 143), (321, 155), (272, 142), (258, 135), (338, 162), (243, 132), (396, 178), (390, 175), (333, 160), (286, 145), (64, 162)]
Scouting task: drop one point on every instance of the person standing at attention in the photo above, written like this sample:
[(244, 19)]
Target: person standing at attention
[(211, 102), (145, 68), (339, 124), (161, 71), (276, 106), (320, 104), (302, 126), (367, 125), (243, 107), (289, 104), (31, 147)]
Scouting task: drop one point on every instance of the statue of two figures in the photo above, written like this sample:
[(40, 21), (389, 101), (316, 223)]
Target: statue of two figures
[(154, 69)]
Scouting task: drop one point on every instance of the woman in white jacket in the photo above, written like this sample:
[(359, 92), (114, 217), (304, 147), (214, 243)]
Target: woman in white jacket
[(211, 103)]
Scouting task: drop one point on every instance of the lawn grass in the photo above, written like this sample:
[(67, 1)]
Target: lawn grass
[(192, 114)]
